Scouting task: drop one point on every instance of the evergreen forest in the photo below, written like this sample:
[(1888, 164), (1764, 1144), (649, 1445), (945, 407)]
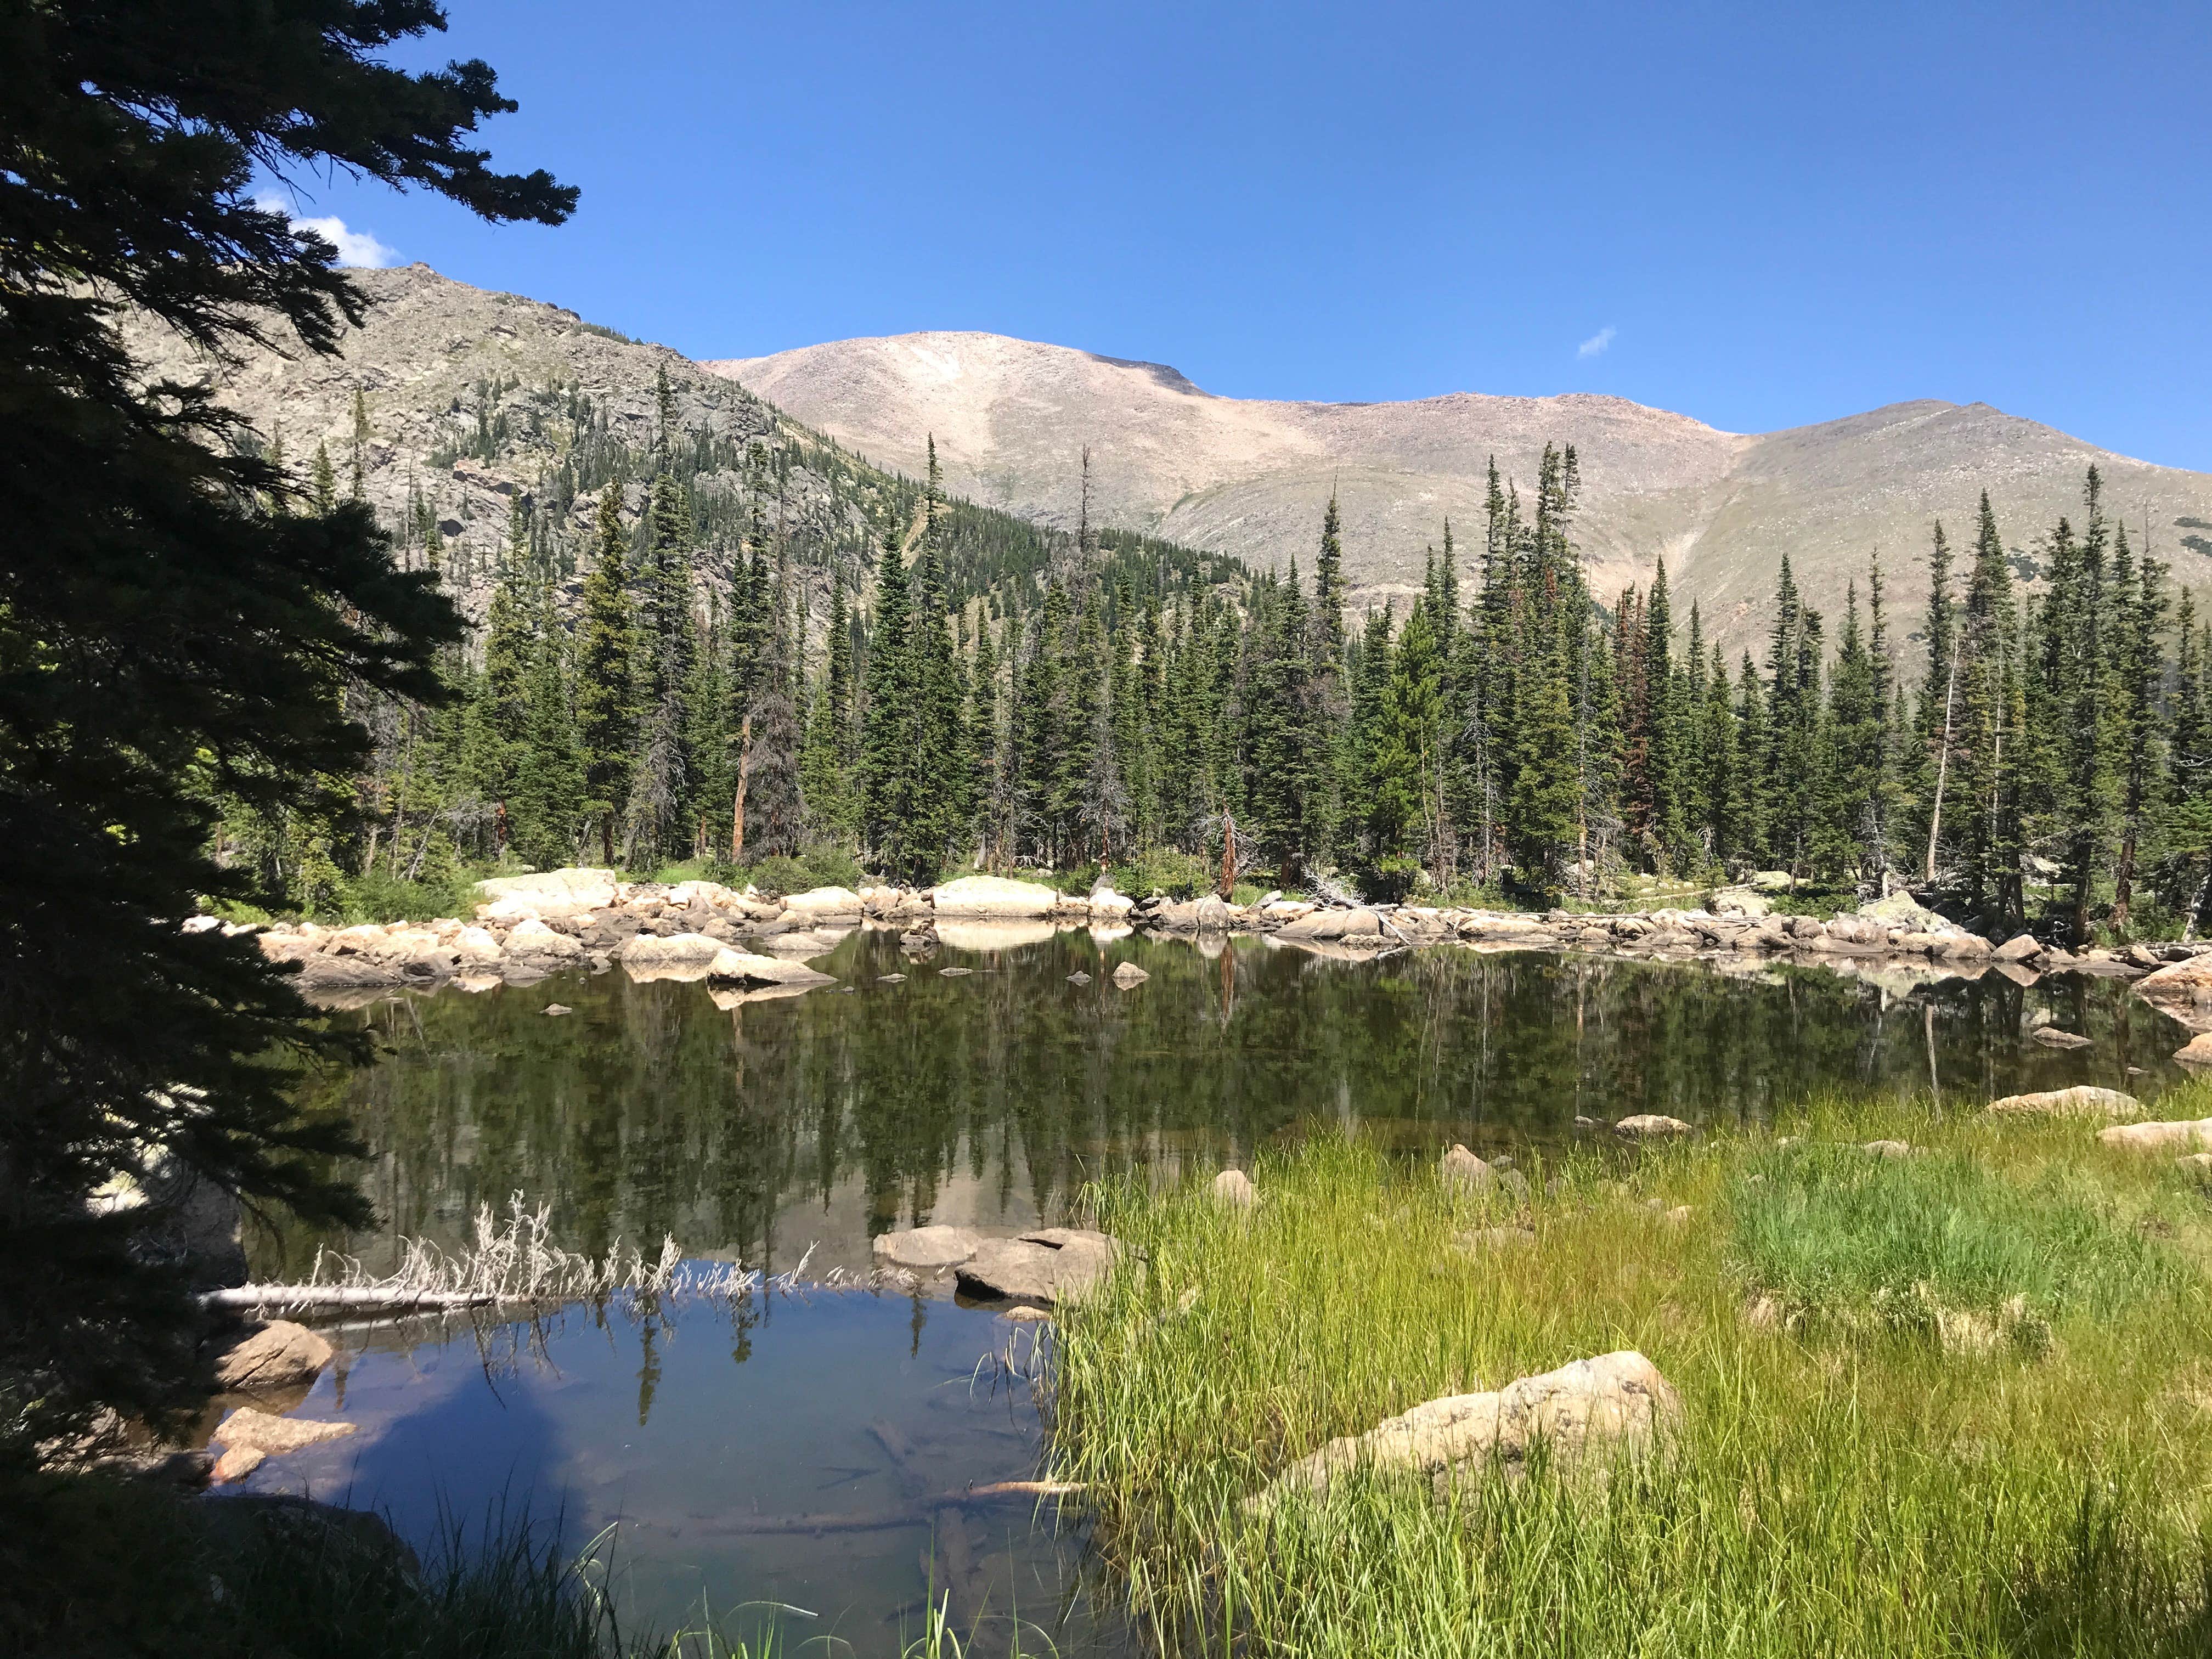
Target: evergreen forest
[(708, 681)]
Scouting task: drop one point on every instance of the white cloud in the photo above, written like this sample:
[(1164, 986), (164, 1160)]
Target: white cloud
[(1595, 345), (355, 247)]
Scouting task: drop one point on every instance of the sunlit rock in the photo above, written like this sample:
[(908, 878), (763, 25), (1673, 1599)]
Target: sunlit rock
[(993, 895), (1615, 1406)]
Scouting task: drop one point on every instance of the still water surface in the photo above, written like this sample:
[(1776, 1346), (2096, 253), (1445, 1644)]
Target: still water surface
[(800, 1128)]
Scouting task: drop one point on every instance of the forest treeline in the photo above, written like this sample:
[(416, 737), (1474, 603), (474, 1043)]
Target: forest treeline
[(1100, 699)]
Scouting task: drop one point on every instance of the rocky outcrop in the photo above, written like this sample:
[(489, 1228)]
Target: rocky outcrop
[(1580, 1417)]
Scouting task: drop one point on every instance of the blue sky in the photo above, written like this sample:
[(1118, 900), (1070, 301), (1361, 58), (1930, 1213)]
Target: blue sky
[(1762, 216)]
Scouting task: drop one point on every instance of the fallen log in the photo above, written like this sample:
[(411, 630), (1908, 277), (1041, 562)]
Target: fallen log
[(253, 1298)]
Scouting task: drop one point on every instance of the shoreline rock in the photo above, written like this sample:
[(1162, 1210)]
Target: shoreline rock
[(530, 926)]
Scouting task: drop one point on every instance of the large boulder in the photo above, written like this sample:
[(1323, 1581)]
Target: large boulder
[(1234, 1188), (564, 892), (1650, 1126), (677, 956), (1615, 1406), (1739, 901), (1462, 1171), (1905, 914), (2158, 1137), (2183, 990), (534, 945), (476, 950), (819, 902), (280, 1355), (995, 896), (1106, 905), (2082, 1101), (1043, 1269), (1347, 927)]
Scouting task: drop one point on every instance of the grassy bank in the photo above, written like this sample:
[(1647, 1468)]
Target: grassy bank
[(1958, 1402)]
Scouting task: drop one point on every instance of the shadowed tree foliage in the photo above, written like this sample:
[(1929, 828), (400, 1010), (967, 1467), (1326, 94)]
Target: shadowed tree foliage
[(166, 636)]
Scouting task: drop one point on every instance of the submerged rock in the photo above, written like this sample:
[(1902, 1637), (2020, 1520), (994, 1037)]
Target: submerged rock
[(2082, 1101), (280, 1355), (275, 1435), (1613, 1406), (927, 1249)]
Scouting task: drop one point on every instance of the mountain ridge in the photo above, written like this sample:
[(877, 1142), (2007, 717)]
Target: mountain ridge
[(1250, 476)]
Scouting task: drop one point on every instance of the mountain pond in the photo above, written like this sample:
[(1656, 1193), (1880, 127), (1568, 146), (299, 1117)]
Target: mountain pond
[(734, 1457)]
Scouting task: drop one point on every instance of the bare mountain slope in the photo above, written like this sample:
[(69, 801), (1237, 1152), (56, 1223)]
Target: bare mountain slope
[(1250, 478)]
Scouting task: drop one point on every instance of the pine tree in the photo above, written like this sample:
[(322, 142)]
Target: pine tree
[(606, 717), (1409, 749), (1989, 730), (887, 758), (1936, 727), (1856, 722), (2139, 722), (774, 812), (549, 788), (661, 781), (325, 489), (825, 773)]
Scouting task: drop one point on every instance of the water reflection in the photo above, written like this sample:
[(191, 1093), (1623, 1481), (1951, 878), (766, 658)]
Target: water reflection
[(770, 1126), (775, 1126)]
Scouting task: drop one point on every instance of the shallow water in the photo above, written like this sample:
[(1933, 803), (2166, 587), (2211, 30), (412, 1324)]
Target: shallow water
[(761, 1132)]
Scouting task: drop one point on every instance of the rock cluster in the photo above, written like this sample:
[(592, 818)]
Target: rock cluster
[(529, 926)]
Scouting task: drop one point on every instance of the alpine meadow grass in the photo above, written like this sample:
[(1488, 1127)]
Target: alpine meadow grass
[(1854, 1472)]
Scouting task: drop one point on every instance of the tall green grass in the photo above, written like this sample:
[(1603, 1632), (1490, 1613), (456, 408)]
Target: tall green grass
[(1835, 1487), (1828, 1229)]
